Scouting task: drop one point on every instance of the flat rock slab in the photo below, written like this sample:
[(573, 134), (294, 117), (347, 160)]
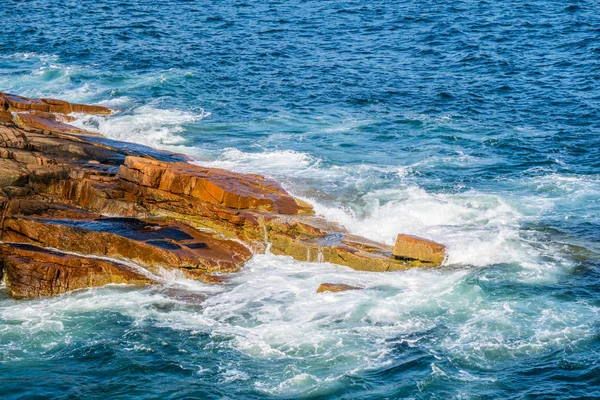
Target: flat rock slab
[(46, 123), (150, 244), (32, 271), (20, 103), (213, 186)]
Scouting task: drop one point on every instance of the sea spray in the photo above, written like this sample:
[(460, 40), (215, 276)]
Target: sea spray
[(459, 122)]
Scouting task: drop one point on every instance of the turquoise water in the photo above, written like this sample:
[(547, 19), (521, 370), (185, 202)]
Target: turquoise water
[(473, 123)]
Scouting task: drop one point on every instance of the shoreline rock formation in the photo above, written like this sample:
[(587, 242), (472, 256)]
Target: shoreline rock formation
[(76, 208)]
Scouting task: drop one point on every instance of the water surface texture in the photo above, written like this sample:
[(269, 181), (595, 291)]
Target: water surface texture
[(473, 123)]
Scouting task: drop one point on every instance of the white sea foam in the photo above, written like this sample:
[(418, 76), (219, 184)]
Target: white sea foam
[(301, 172), (116, 102), (479, 229), (271, 310), (32, 55), (286, 162), (145, 125)]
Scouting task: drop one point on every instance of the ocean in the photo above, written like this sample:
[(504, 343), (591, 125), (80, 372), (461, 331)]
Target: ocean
[(472, 123)]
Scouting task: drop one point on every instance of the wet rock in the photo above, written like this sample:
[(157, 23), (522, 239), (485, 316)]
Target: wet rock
[(32, 271), (19, 103), (213, 186), (336, 287), (54, 117), (43, 122), (5, 117), (150, 244), (45, 115), (415, 248), (317, 240), (77, 191), (201, 276)]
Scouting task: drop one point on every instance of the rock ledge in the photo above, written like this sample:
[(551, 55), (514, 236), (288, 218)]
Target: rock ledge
[(77, 208)]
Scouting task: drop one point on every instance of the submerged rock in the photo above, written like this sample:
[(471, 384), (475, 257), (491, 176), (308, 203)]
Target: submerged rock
[(336, 287), (76, 191)]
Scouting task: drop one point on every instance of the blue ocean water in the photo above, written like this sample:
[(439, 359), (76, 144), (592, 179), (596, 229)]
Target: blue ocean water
[(473, 123)]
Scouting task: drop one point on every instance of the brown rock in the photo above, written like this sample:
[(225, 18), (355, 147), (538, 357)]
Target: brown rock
[(317, 240), (11, 137), (44, 210), (57, 184), (44, 123), (11, 174), (20, 103), (32, 271), (150, 244), (53, 116), (88, 109), (57, 106), (240, 224), (203, 277), (213, 186), (5, 117), (336, 287), (415, 248)]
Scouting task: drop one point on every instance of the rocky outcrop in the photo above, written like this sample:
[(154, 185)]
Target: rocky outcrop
[(71, 190)]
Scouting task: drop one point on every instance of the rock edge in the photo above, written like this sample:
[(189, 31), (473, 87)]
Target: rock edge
[(77, 208)]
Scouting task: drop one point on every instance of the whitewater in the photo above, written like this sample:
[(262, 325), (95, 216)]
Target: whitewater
[(462, 123)]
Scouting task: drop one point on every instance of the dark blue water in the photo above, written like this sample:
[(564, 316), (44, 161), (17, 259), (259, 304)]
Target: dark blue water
[(474, 123)]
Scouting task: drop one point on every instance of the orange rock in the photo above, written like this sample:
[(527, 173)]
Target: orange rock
[(42, 209), (34, 121), (415, 248), (5, 117), (149, 244), (317, 240), (53, 116), (58, 106), (204, 277), (32, 271), (336, 287), (88, 109), (63, 181), (20, 103), (213, 186), (11, 174)]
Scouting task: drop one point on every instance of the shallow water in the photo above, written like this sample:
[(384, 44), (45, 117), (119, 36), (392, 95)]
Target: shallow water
[(474, 123)]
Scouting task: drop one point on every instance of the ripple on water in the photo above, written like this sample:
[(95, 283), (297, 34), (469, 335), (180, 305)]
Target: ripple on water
[(458, 122)]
